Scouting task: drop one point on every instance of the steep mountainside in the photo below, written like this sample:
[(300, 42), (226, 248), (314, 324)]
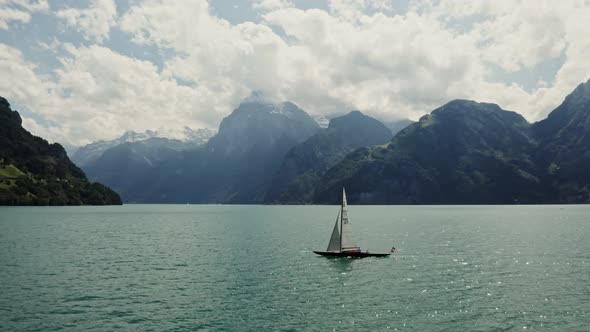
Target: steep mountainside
[(305, 163), (563, 154), (34, 172), (463, 152), (236, 165)]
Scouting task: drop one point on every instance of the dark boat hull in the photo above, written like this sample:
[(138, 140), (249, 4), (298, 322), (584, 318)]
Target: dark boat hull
[(359, 254)]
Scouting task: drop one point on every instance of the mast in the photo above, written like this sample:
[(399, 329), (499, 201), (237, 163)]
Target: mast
[(341, 211)]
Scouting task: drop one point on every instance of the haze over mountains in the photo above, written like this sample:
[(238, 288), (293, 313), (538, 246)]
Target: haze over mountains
[(464, 152), (232, 167), (237, 165)]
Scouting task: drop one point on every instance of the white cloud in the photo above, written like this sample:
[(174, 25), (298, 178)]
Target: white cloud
[(100, 94), (228, 60), (30, 5), (402, 64), (20, 79), (268, 5), (8, 14), (513, 35), (380, 4), (355, 55), (355, 9), (25, 87), (348, 9), (109, 93), (519, 35), (94, 22), (171, 24), (19, 11)]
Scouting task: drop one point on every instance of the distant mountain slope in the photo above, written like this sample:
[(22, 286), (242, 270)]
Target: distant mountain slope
[(563, 154), (474, 153), (125, 166), (306, 162), (236, 165), (186, 139), (124, 163), (398, 125), (34, 172), (463, 152)]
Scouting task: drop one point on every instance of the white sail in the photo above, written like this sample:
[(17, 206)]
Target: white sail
[(334, 244), (347, 242)]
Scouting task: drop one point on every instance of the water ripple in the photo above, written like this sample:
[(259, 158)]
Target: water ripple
[(249, 268)]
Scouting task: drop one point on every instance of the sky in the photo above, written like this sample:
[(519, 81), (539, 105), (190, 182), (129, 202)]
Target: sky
[(81, 71)]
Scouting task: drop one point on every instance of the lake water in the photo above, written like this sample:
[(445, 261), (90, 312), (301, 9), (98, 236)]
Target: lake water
[(250, 268)]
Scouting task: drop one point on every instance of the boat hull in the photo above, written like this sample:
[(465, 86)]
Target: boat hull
[(359, 254)]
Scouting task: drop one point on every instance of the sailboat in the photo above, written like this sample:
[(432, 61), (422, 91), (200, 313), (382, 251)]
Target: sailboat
[(341, 242)]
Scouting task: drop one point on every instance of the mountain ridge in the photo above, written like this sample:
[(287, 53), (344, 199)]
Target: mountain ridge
[(232, 166), (306, 162), (34, 172), (563, 153), (189, 138), (466, 152)]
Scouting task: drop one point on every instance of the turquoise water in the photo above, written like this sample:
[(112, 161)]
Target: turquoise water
[(250, 268)]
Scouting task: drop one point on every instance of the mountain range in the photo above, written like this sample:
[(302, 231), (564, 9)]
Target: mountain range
[(463, 152), (473, 153), (183, 140), (305, 163), (34, 172), (233, 166), (262, 150)]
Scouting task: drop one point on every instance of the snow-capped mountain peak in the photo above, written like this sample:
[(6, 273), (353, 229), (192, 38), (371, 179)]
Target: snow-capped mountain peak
[(94, 150)]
